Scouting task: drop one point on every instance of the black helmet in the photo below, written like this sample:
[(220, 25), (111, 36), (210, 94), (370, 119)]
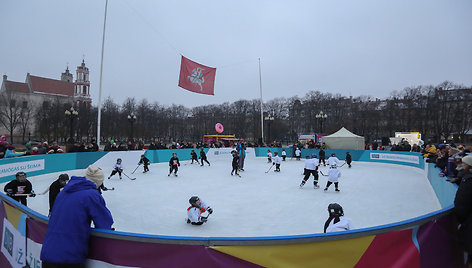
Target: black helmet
[(64, 177), (20, 174), (118, 160), (335, 210), (193, 201)]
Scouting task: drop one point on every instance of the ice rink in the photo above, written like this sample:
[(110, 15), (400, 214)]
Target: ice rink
[(258, 203)]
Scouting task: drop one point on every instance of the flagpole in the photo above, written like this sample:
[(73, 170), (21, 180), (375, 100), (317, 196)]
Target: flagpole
[(101, 75), (262, 111)]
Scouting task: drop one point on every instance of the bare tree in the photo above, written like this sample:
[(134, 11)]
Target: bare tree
[(10, 112)]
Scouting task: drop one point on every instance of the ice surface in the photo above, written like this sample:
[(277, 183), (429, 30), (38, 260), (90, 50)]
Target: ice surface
[(259, 203)]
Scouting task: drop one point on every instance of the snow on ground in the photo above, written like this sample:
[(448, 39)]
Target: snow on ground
[(258, 203)]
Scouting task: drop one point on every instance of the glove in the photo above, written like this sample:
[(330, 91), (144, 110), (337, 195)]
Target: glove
[(32, 194), (210, 210), (273, 164), (204, 219), (10, 192)]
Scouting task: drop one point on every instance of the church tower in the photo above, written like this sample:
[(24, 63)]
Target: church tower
[(82, 85), (67, 76)]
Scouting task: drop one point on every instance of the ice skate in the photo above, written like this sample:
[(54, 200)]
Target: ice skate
[(109, 177), (175, 174), (120, 177), (231, 173), (337, 190), (325, 189), (316, 186), (301, 185), (168, 175)]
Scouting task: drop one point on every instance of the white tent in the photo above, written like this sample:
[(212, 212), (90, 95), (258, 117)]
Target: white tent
[(344, 139)]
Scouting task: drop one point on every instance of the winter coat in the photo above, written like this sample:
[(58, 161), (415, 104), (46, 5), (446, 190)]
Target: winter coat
[(463, 210), (68, 233), (9, 154)]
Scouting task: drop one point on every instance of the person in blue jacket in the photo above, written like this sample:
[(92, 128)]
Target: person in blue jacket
[(68, 233)]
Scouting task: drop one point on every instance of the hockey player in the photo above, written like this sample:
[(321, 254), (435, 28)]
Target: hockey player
[(117, 168), (235, 163), (348, 159), (333, 176), (19, 188), (194, 156), (145, 162), (55, 188), (269, 156), (277, 162), (284, 154), (336, 221), (174, 164), (203, 156), (194, 212), (333, 160), (322, 154), (298, 154), (311, 167)]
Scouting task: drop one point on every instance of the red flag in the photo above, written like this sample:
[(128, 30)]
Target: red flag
[(196, 77)]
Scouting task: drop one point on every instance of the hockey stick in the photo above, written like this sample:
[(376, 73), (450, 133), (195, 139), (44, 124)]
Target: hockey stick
[(135, 169), (323, 174), (342, 164), (128, 177), (269, 169)]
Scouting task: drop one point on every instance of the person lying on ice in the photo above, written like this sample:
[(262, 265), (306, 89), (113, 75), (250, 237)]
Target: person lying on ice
[(194, 212)]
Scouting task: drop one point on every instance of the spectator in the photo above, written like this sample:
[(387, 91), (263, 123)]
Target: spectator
[(42, 148), (94, 146), (10, 152), (463, 207), (68, 233), (55, 149), (35, 151)]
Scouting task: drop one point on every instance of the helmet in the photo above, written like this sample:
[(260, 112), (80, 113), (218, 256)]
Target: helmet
[(335, 210), (193, 201), (333, 154), (314, 155), (21, 176), (334, 165), (118, 160), (64, 177), (276, 153)]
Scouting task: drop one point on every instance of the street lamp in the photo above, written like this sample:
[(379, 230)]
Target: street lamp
[(131, 119), (321, 116), (71, 114), (269, 118)]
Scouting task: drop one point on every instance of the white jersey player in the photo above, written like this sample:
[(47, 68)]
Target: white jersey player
[(194, 212), (311, 167), (336, 221), (277, 162), (333, 176), (298, 154), (269, 156), (333, 160)]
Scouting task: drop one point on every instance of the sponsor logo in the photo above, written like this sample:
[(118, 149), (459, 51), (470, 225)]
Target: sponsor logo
[(13, 168), (395, 157)]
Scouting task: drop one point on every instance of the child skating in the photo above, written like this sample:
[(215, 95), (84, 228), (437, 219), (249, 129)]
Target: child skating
[(174, 164), (277, 162), (311, 168), (348, 159), (145, 162), (284, 154), (194, 156), (203, 157), (269, 156), (333, 176), (117, 168), (235, 163)]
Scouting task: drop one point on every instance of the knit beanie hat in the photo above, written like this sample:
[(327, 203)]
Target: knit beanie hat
[(467, 159), (95, 175)]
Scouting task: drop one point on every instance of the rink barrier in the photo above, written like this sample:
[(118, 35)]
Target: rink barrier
[(414, 242)]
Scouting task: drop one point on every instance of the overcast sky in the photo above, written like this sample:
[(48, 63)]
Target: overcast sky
[(347, 47)]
